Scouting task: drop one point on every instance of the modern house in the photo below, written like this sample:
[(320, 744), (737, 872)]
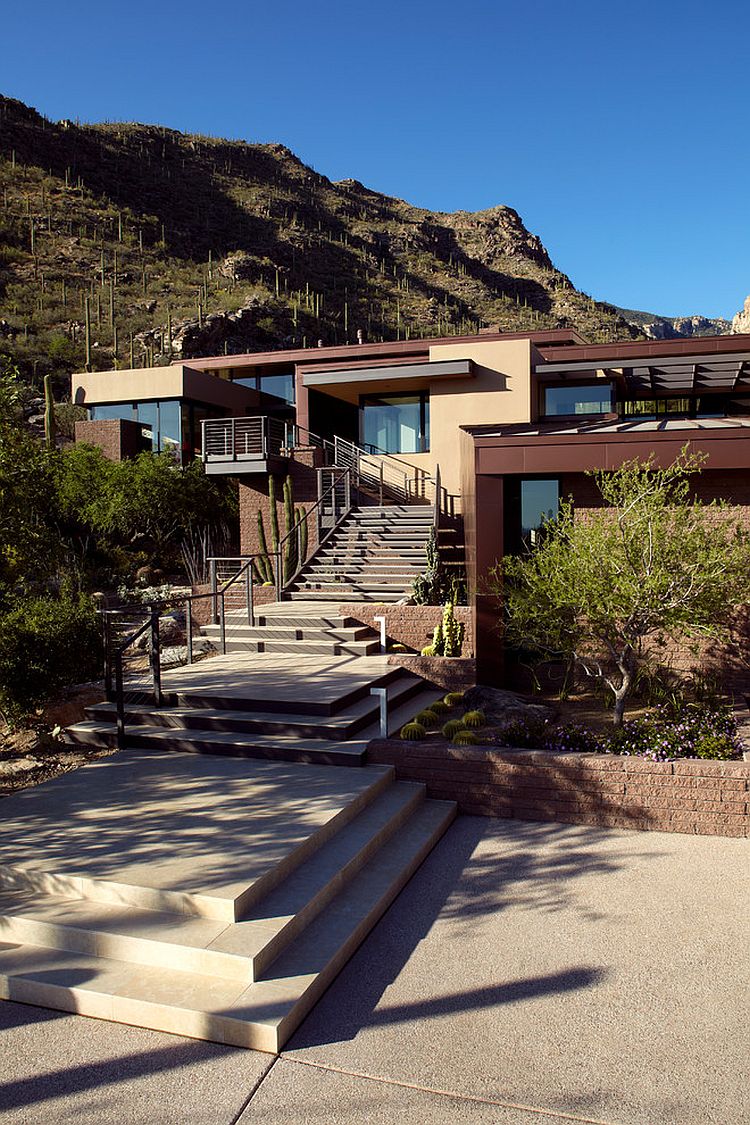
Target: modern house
[(490, 429)]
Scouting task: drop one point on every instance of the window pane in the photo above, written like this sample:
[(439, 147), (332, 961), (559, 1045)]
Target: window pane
[(539, 503), (280, 385), (116, 410), (595, 398), (169, 426), (392, 423), (148, 416)]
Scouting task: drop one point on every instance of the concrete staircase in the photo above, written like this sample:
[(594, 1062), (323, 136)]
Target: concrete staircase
[(291, 632), (373, 555), (204, 896), (253, 707)]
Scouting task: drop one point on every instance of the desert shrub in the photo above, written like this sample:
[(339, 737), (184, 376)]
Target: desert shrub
[(572, 738), (524, 733), (697, 732), (45, 646)]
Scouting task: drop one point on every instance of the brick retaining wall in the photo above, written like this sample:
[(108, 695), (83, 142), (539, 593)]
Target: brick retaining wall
[(698, 797), (410, 625), (451, 674)]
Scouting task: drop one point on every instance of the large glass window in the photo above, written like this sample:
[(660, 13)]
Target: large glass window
[(540, 501), (115, 410), (282, 386), (396, 423), (591, 398)]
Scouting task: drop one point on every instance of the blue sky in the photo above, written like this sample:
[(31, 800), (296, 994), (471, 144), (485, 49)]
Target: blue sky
[(619, 132)]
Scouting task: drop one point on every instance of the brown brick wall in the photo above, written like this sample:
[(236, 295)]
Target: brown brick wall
[(410, 625), (451, 674), (698, 797), (118, 438), (253, 494)]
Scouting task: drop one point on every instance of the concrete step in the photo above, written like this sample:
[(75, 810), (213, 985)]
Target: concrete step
[(236, 951), (305, 594), (261, 1015), (277, 630), (297, 696), (345, 724), (237, 642), (234, 744)]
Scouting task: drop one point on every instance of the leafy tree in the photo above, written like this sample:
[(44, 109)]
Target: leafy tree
[(28, 548), (652, 565)]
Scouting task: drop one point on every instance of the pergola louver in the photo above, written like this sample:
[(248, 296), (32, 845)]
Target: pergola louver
[(650, 377)]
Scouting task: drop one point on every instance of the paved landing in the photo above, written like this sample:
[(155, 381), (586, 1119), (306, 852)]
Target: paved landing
[(190, 833), (280, 677), (527, 975)]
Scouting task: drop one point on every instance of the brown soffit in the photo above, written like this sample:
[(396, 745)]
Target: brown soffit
[(629, 352), (448, 369)]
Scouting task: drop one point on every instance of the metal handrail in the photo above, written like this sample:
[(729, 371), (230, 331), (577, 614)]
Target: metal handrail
[(345, 475)]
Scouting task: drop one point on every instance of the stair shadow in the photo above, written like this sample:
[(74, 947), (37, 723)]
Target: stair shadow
[(462, 889)]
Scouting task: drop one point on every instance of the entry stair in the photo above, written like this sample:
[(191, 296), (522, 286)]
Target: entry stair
[(373, 555), (297, 723), (206, 897)]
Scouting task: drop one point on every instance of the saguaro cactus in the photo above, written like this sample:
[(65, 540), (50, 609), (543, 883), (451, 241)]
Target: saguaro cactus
[(50, 426)]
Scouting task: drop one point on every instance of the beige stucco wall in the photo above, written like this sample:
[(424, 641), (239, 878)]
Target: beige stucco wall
[(142, 384), (500, 392)]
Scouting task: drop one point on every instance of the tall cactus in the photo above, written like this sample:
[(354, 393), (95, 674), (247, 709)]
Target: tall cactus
[(290, 548), (265, 570), (50, 426)]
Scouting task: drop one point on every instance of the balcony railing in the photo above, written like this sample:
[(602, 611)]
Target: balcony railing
[(242, 439)]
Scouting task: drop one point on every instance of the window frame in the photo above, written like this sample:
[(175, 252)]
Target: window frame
[(423, 437), (575, 383)]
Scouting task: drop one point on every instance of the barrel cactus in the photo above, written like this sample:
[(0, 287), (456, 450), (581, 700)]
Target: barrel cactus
[(452, 727), (428, 718), (439, 707), (474, 719), (413, 732), (465, 738), (453, 698)]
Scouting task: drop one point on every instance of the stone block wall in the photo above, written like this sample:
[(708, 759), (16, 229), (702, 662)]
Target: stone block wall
[(703, 798), (253, 495), (118, 438), (410, 625)]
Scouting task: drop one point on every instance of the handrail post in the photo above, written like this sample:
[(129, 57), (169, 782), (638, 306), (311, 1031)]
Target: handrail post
[(222, 623), (119, 702), (155, 656), (107, 641), (189, 629), (212, 580), (234, 439), (381, 484), (249, 593)]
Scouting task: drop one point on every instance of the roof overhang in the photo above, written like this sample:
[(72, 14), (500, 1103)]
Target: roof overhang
[(399, 373), (531, 450), (645, 376)]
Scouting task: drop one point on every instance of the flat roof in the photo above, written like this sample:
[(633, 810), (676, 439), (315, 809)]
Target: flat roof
[(552, 338)]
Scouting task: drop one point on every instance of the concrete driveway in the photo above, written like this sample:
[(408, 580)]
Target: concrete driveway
[(529, 973)]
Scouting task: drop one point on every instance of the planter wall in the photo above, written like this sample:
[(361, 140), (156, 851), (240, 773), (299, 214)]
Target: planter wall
[(410, 625), (452, 674), (697, 797)]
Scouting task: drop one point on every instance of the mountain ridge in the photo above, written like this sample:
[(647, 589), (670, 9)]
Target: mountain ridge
[(228, 246)]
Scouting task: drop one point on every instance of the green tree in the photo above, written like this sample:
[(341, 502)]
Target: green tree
[(652, 565), (28, 547)]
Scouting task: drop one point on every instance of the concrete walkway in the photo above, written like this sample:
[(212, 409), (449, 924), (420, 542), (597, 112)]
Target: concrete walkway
[(527, 974)]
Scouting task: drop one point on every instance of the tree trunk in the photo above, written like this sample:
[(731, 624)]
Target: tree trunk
[(627, 673)]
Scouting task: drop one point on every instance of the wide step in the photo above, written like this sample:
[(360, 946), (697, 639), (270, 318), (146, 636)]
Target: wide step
[(261, 1015)]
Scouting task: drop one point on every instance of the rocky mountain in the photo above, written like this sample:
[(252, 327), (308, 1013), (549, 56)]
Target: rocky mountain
[(657, 327), (127, 244)]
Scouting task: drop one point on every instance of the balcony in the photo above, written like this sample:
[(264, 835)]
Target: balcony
[(243, 445)]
